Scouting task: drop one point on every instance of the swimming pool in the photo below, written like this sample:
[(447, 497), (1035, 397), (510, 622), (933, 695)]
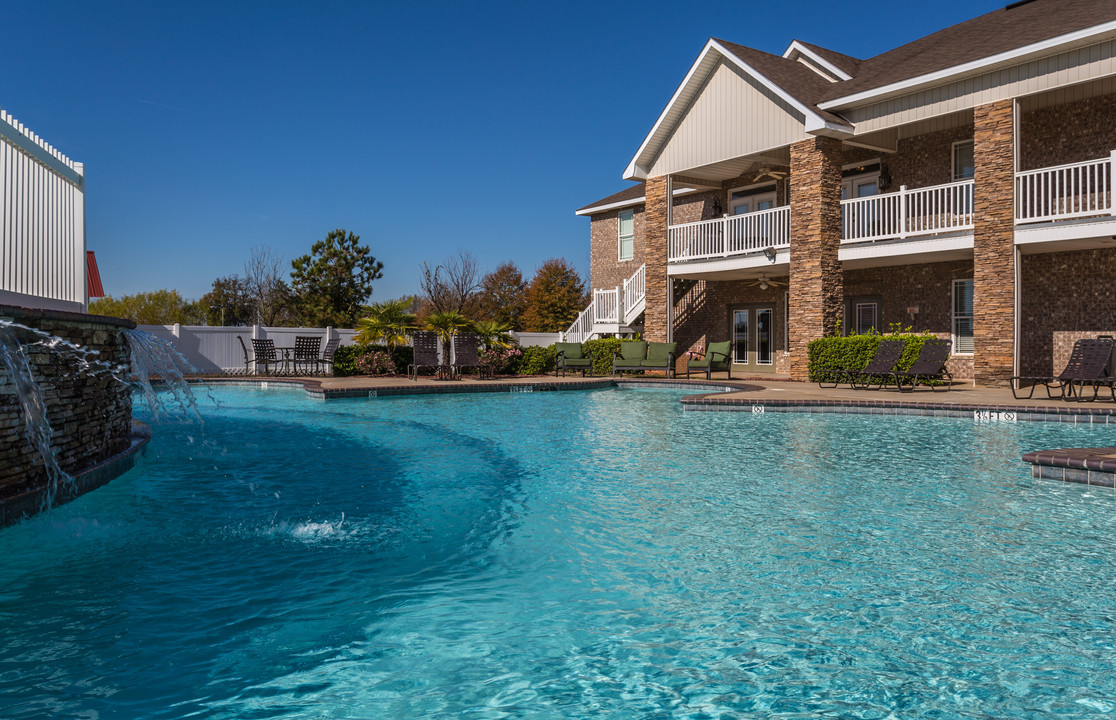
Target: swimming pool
[(566, 555)]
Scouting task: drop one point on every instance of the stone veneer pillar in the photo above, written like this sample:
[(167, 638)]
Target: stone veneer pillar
[(657, 286), (993, 243), (816, 279)]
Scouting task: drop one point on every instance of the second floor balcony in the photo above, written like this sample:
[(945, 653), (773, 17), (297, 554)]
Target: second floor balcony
[(1058, 195)]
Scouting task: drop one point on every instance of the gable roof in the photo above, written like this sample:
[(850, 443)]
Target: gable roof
[(1001, 32), (846, 63), (796, 84), (633, 195)]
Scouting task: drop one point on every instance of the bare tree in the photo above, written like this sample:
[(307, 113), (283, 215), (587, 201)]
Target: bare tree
[(453, 285), (269, 292)]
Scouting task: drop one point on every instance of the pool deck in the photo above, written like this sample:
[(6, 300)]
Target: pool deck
[(1091, 466)]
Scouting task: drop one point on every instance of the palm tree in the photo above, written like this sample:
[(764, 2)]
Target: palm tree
[(388, 321), (493, 334), (446, 324)]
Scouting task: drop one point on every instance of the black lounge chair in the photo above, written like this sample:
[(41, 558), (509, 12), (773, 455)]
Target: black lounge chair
[(929, 366), (466, 353), (306, 349), (247, 360), (878, 369), (265, 354), (716, 357), (426, 353), (572, 356), (1088, 365)]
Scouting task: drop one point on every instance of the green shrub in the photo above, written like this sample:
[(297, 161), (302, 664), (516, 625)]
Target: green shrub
[(855, 351), (603, 350), (345, 360), (535, 361)]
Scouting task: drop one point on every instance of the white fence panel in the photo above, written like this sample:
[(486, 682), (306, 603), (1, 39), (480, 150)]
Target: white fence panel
[(42, 222), (217, 349)]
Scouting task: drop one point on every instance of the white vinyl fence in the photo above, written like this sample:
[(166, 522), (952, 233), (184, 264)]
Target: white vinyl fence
[(217, 350), (42, 222)]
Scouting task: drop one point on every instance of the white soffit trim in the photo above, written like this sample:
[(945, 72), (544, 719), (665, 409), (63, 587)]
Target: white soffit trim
[(796, 48), (688, 90), (1088, 36), (627, 203)]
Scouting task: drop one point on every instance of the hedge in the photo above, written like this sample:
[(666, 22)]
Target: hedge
[(855, 351), (344, 361)]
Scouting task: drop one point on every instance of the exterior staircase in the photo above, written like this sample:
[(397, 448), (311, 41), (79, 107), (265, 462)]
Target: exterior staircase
[(612, 311)]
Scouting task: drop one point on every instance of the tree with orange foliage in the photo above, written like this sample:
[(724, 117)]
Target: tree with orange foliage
[(555, 297)]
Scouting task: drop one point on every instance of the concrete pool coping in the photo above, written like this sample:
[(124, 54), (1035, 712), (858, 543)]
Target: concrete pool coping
[(1091, 466)]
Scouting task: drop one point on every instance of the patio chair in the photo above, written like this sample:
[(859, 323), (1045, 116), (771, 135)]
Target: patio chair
[(306, 349), (247, 360), (878, 368), (660, 356), (629, 356), (326, 360), (716, 357), (265, 354), (466, 353), (1088, 364), (425, 344), (930, 365), (572, 356)]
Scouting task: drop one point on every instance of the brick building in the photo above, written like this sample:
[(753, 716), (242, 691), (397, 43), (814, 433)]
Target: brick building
[(961, 184)]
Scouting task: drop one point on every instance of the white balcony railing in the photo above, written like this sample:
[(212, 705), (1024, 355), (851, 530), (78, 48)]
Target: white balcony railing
[(730, 235), (908, 213), (1064, 192)]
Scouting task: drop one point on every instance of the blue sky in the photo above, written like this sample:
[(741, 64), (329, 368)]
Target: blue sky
[(425, 128)]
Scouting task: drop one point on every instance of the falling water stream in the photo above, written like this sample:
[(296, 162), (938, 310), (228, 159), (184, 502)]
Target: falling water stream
[(154, 364)]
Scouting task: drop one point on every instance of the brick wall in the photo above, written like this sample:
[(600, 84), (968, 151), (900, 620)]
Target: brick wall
[(1069, 133), (90, 414), (704, 314), (815, 272), (928, 286), (993, 244), (1081, 283), (605, 269), (925, 160)]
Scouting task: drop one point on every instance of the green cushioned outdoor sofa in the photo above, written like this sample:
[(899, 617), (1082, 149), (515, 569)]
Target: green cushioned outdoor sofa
[(643, 355), (572, 356)]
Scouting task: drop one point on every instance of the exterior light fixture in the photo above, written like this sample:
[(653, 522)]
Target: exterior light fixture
[(769, 253)]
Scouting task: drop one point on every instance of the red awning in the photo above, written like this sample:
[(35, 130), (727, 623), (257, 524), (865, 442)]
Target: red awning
[(93, 276)]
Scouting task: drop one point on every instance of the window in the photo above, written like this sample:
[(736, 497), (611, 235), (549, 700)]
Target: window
[(752, 199), (866, 314), (964, 162), (963, 316), (626, 233)]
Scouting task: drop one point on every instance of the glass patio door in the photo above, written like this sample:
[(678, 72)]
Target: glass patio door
[(753, 339)]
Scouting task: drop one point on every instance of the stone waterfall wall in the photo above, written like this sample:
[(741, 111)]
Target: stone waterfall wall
[(91, 415)]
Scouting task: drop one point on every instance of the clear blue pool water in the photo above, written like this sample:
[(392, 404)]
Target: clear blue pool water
[(566, 555)]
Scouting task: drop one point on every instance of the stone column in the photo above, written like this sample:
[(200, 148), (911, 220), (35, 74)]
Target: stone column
[(816, 279), (657, 286), (993, 243)]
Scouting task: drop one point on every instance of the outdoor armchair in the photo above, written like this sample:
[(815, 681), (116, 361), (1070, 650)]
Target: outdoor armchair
[(326, 360), (929, 366), (716, 357), (265, 354), (629, 356), (877, 370), (306, 349), (572, 356)]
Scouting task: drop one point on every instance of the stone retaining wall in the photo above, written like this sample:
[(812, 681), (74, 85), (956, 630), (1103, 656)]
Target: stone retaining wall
[(90, 414)]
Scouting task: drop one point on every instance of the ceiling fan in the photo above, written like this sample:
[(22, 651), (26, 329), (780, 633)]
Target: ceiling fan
[(764, 282), (765, 171)]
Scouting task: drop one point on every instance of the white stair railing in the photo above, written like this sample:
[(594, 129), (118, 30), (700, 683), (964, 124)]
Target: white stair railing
[(1065, 191), (606, 306), (908, 213), (582, 328), (634, 292)]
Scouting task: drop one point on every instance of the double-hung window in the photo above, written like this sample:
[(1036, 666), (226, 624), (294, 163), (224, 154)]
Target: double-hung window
[(626, 235), (964, 161), (963, 316)]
